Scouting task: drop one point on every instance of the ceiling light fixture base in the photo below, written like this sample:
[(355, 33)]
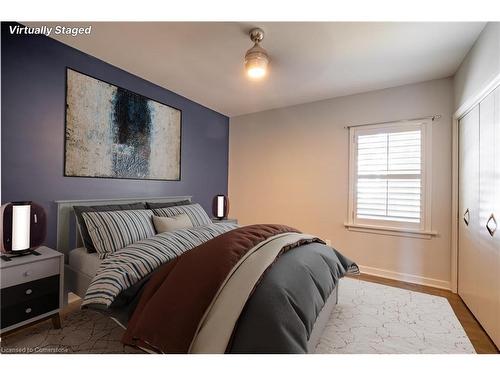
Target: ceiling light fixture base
[(256, 35)]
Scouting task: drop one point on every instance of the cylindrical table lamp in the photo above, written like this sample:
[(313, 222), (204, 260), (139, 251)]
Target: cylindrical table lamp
[(220, 206)]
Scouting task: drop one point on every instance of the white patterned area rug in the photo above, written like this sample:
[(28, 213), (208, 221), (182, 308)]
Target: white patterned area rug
[(370, 318), (377, 319)]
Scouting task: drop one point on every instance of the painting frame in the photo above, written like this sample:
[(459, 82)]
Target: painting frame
[(65, 151)]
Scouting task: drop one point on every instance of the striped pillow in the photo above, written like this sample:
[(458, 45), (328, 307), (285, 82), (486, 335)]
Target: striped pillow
[(113, 230), (195, 212)]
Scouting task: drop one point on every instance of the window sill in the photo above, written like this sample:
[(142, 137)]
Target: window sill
[(391, 231)]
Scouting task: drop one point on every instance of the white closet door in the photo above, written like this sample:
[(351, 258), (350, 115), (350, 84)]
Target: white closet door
[(489, 212), (468, 228)]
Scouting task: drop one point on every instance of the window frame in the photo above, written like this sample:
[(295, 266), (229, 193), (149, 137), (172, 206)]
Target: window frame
[(398, 228)]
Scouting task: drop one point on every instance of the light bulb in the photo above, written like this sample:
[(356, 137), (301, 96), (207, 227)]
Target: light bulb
[(256, 69)]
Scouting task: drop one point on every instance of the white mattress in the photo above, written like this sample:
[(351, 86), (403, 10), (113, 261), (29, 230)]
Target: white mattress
[(86, 263)]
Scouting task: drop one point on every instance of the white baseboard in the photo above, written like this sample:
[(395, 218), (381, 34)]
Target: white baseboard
[(441, 284)]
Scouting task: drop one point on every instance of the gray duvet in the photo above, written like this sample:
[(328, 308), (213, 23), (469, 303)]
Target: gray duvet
[(280, 315)]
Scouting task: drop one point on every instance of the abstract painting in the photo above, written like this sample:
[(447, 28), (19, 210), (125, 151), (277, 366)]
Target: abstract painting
[(115, 133)]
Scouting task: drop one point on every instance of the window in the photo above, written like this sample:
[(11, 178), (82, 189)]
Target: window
[(389, 186)]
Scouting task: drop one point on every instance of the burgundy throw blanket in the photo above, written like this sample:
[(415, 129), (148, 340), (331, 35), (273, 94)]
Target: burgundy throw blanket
[(177, 296)]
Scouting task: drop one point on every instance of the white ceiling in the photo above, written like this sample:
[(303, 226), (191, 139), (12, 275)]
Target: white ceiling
[(309, 61)]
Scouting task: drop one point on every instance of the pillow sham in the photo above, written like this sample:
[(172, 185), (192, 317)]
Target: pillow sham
[(195, 212), (173, 223), (84, 233), (113, 230), (153, 205)]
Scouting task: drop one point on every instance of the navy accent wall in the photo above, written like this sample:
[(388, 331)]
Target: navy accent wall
[(33, 97)]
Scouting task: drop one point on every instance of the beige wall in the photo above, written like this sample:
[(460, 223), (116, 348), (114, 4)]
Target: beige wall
[(480, 66), (290, 166)]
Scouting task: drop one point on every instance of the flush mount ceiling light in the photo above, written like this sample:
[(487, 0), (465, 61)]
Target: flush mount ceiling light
[(256, 58)]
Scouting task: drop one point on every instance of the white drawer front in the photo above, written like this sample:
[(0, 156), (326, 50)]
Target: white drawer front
[(29, 272)]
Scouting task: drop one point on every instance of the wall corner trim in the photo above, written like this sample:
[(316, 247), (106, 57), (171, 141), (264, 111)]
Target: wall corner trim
[(472, 101)]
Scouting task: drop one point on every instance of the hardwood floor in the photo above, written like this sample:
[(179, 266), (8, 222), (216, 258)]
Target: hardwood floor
[(478, 337)]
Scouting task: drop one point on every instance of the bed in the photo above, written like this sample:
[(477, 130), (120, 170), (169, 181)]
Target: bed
[(248, 333), (69, 241)]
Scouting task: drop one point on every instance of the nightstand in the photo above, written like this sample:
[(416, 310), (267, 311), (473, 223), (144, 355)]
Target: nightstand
[(31, 289), (231, 221)]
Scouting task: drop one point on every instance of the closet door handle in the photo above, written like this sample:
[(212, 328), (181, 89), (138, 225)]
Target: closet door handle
[(491, 225), (466, 217)]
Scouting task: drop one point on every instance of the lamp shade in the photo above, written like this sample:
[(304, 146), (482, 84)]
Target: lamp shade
[(256, 61), (23, 226), (220, 206)]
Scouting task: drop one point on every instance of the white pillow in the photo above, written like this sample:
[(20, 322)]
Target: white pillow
[(172, 223), (195, 212)]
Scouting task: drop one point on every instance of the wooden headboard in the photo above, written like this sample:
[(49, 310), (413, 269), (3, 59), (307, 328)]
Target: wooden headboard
[(66, 217)]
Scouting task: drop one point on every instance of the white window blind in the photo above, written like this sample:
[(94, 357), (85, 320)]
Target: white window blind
[(388, 182)]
